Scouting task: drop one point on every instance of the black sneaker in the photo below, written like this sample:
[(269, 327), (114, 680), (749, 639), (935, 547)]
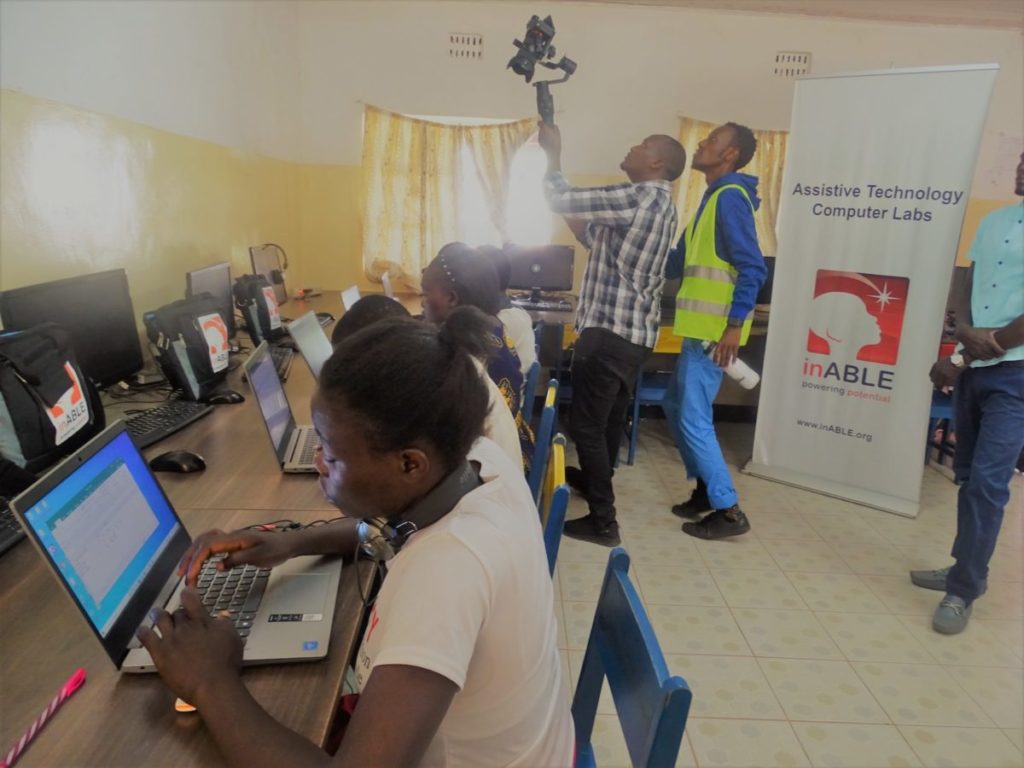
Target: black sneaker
[(587, 529), (718, 525), (574, 477), (696, 505)]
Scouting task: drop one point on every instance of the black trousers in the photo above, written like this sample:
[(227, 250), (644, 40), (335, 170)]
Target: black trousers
[(604, 371)]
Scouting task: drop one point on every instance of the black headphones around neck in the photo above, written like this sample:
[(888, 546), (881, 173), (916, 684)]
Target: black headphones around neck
[(382, 538)]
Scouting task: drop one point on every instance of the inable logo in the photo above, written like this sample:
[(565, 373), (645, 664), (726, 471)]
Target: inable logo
[(857, 316)]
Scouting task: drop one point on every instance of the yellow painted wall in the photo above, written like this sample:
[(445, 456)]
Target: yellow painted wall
[(977, 209)]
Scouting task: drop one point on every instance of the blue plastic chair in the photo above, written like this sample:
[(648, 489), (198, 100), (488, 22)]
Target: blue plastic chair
[(650, 390), (554, 501), (651, 704), (530, 391), (942, 409), (542, 441)]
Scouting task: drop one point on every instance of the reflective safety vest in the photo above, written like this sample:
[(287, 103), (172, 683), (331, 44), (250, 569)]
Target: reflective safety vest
[(705, 295)]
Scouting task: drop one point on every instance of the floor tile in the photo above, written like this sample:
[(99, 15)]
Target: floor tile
[(610, 749), (1016, 735), (999, 694), (785, 634), (726, 686), (660, 549), (846, 745), (975, 646), (821, 691), (563, 640), (901, 597), (578, 619), (677, 585), (581, 582), (883, 560), (738, 552), (962, 747), (576, 551), (756, 589), (835, 592), (873, 637), (1004, 600), (921, 694), (780, 524), (692, 629), (805, 556), (743, 743), (1009, 632)]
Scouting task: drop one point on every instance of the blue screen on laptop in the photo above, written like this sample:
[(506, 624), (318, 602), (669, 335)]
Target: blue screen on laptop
[(104, 526)]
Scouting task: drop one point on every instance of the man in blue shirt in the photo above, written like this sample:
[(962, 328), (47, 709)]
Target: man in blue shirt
[(722, 269), (988, 370)]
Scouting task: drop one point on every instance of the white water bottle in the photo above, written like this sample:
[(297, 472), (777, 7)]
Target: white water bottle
[(737, 370)]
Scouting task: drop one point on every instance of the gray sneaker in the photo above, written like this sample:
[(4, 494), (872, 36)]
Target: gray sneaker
[(950, 618), (937, 579)]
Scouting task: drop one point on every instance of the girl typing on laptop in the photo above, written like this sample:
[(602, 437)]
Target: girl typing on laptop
[(459, 664)]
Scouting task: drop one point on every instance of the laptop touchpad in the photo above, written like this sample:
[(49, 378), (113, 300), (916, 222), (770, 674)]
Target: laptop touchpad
[(297, 593)]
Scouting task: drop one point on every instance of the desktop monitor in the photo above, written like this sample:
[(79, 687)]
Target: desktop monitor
[(540, 268), (216, 281), (96, 312)]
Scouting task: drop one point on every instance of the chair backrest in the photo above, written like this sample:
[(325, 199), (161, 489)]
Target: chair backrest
[(530, 391), (542, 441), (652, 705), (554, 500)]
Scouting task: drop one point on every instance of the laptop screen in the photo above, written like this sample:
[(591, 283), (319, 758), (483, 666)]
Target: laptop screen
[(104, 526), (266, 385), (311, 340)]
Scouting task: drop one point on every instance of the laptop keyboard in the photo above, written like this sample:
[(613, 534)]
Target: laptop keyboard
[(238, 591), (10, 529), (309, 446)]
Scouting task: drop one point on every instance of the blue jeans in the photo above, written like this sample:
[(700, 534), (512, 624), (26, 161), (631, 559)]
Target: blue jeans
[(989, 410), (687, 405)]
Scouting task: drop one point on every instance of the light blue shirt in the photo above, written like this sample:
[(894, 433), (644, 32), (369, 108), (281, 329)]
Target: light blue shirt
[(997, 296)]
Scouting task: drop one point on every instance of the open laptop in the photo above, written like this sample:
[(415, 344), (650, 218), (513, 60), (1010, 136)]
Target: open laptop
[(295, 446), (311, 340), (111, 537), (350, 296)]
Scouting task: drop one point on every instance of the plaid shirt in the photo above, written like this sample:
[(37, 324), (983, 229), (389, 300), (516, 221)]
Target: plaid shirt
[(629, 232)]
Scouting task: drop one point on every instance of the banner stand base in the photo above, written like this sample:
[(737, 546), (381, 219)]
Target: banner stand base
[(853, 494)]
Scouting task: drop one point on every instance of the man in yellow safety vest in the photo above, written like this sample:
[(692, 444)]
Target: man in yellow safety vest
[(722, 269)]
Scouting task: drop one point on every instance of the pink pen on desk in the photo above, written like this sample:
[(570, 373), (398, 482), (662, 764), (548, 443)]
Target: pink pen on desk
[(73, 684)]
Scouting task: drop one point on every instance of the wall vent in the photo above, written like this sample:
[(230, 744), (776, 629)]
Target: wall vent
[(465, 45), (792, 63)]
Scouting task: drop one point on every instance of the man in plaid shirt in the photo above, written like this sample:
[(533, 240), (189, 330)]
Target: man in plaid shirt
[(628, 229)]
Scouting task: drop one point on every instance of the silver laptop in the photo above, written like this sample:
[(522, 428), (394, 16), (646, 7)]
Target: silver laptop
[(107, 530), (311, 340), (294, 445), (350, 296)]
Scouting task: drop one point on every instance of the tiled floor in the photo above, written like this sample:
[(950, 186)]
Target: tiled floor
[(804, 642)]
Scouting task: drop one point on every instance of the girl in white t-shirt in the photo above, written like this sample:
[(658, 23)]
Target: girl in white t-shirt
[(459, 664)]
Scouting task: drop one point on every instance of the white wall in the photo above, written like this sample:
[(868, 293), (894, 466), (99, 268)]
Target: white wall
[(286, 78), (639, 67), (226, 72)]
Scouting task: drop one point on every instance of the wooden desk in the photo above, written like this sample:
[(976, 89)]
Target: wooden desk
[(129, 720)]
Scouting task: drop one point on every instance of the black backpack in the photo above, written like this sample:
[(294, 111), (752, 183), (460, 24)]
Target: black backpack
[(255, 297), (48, 407), (189, 340)]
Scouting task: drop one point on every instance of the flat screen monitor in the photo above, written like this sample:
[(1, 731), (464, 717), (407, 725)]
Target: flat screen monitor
[(216, 281), (542, 267), (95, 310)]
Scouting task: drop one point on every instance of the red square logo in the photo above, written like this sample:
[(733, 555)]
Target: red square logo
[(857, 316)]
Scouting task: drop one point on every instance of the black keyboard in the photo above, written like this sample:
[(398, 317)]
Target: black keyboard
[(544, 305), (238, 591), (282, 357), (10, 529), (163, 421)]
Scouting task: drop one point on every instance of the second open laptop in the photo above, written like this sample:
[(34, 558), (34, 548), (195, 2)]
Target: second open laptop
[(113, 540), (294, 445), (311, 340)]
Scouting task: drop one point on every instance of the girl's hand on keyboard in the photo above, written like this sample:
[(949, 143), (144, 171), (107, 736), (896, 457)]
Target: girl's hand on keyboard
[(245, 547)]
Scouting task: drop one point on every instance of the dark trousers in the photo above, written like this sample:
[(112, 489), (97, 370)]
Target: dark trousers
[(604, 371), (989, 408)]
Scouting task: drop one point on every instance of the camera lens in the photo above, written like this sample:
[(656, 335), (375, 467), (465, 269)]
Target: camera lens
[(522, 65)]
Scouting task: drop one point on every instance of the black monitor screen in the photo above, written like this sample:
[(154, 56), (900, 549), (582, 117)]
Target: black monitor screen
[(95, 310), (216, 281), (544, 267)]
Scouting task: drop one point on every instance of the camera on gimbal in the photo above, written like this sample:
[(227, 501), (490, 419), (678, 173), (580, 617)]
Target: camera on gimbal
[(534, 49)]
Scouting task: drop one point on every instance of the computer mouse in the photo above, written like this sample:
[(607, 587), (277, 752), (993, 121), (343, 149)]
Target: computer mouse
[(178, 461), (229, 397)]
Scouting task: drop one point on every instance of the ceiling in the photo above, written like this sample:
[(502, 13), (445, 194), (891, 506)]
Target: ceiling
[(998, 14)]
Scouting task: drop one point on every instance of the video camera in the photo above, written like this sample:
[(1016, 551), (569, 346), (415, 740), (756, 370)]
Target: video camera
[(536, 48)]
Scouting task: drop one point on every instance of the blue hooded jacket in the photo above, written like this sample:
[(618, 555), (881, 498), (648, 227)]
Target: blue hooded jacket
[(735, 240)]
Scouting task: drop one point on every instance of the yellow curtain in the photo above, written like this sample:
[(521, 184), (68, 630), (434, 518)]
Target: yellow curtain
[(766, 164), (412, 171), (492, 148), (410, 188)]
